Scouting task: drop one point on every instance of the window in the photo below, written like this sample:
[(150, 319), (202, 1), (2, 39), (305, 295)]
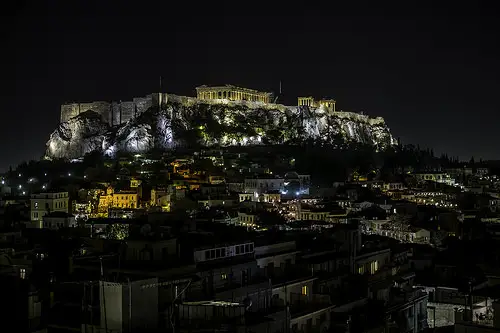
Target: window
[(247, 248), (207, 255), (217, 253), (237, 249), (36, 205), (223, 252), (304, 290), (22, 273), (223, 276)]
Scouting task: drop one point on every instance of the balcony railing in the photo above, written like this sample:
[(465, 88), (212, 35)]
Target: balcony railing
[(300, 304)]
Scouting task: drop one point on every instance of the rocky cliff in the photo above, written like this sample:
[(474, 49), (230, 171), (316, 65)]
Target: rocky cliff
[(187, 121)]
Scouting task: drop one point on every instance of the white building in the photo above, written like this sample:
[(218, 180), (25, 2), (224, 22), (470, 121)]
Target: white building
[(58, 220), (47, 202), (438, 177), (263, 197), (129, 306), (263, 185)]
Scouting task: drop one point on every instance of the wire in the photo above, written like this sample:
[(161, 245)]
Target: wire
[(176, 297)]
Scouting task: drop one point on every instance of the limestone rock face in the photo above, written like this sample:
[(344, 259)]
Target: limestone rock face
[(77, 136), (187, 121)]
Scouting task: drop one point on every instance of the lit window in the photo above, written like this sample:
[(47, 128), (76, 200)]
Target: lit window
[(36, 204), (304, 290), (223, 276), (22, 273)]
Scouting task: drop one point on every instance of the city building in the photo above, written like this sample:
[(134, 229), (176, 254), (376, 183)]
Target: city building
[(58, 220), (263, 184), (47, 202), (130, 306)]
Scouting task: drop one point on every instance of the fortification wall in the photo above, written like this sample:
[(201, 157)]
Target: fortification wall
[(116, 118), (114, 113), (360, 117), (142, 104), (117, 113), (127, 111), (71, 110)]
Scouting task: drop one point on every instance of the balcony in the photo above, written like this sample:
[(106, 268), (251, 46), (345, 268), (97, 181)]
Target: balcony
[(400, 297), (303, 304)]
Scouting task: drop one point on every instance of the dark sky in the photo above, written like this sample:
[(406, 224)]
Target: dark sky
[(432, 74)]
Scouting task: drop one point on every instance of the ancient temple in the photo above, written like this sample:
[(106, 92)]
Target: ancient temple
[(310, 101), (233, 93)]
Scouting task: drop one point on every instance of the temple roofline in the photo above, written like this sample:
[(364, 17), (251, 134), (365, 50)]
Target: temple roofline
[(231, 87)]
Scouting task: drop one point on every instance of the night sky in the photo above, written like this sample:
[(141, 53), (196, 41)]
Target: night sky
[(433, 75)]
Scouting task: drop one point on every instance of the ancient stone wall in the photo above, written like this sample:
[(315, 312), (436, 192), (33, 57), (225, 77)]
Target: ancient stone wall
[(69, 111), (142, 104), (117, 113), (114, 113), (116, 118), (127, 111)]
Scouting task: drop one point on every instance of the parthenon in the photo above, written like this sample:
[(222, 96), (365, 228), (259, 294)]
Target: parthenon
[(232, 93)]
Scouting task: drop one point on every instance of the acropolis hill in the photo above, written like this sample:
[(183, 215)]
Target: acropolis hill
[(117, 113), (222, 115)]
